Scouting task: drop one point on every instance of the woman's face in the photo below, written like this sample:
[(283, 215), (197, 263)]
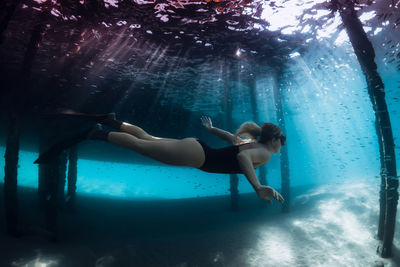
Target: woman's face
[(276, 144)]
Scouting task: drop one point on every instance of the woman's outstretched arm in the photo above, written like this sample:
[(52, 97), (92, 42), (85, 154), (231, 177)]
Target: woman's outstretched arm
[(246, 158), (227, 136)]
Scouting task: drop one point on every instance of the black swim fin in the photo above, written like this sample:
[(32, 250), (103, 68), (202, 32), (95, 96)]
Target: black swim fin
[(57, 148), (100, 118)]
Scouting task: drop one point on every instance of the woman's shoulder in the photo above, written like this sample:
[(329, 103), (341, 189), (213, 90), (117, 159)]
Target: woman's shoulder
[(258, 152)]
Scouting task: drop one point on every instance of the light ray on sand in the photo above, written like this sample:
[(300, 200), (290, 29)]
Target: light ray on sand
[(337, 230), (38, 261)]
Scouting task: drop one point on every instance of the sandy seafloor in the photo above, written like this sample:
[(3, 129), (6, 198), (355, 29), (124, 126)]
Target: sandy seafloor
[(331, 225)]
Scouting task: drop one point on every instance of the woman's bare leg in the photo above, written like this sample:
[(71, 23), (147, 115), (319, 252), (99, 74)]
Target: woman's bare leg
[(184, 152), (140, 133)]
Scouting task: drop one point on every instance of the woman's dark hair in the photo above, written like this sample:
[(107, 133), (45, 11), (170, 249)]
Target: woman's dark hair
[(270, 131)]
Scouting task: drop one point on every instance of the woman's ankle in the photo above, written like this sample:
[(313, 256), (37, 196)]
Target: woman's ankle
[(113, 123), (97, 133)]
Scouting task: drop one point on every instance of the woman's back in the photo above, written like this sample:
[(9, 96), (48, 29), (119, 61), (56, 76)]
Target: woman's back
[(223, 160)]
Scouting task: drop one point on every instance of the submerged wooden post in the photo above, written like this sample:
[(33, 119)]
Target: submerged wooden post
[(62, 168), (233, 178), (6, 13), (389, 180), (72, 177), (10, 178), (284, 149), (253, 99), (382, 191), (263, 175), (233, 188), (54, 178), (254, 108), (42, 168), (12, 148)]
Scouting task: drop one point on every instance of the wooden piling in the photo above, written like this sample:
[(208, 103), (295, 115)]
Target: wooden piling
[(72, 178), (389, 180), (228, 108), (284, 150)]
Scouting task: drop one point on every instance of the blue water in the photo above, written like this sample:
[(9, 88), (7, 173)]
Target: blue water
[(330, 135), (329, 127), (334, 165), (134, 181)]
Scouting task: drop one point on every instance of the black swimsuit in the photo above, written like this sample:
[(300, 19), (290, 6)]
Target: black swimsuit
[(222, 160)]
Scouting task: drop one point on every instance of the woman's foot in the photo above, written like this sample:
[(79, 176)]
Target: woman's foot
[(100, 118)]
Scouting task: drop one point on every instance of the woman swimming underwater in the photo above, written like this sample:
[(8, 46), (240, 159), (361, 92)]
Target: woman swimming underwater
[(243, 156)]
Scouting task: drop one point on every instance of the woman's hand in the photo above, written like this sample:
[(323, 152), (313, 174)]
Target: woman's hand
[(206, 121), (264, 192)]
